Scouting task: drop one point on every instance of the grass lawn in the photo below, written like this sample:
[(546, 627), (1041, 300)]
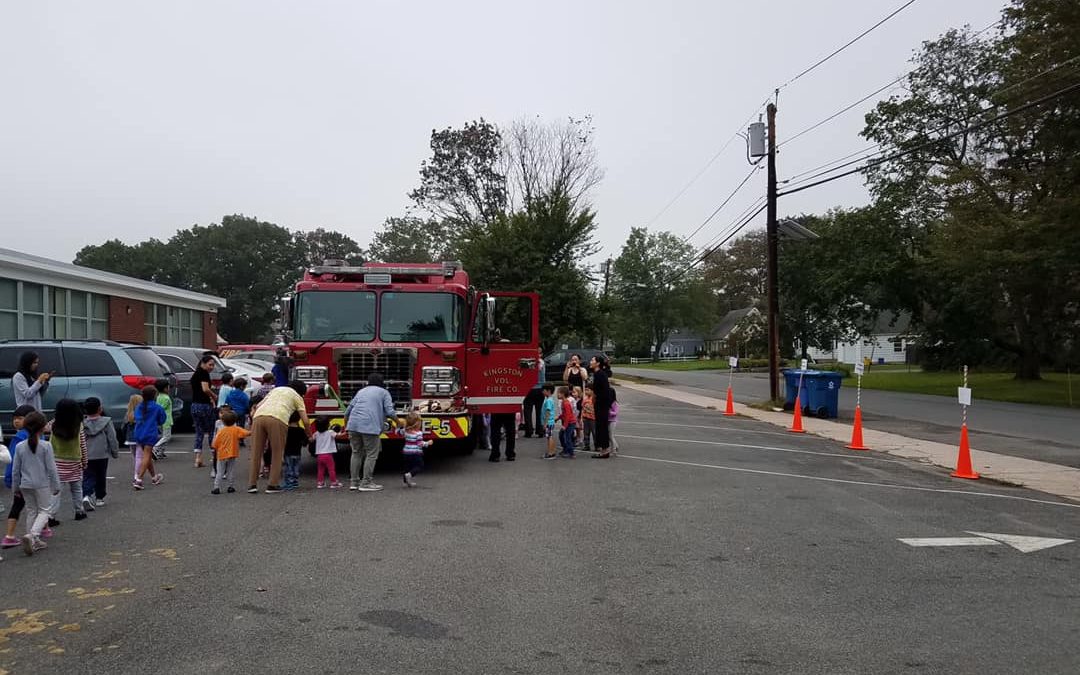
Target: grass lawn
[(1051, 390), (708, 364)]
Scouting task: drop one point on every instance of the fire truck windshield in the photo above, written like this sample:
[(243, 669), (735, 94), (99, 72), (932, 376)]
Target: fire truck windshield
[(422, 317), (335, 315)]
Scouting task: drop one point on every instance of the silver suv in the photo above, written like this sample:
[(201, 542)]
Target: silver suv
[(107, 370)]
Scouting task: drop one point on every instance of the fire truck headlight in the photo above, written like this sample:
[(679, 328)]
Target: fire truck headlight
[(442, 380), (311, 374)]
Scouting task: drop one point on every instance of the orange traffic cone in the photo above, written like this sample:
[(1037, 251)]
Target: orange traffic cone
[(963, 461), (796, 423), (730, 409), (856, 432)]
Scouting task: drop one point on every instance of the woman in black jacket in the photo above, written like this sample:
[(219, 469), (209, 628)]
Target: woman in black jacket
[(603, 396)]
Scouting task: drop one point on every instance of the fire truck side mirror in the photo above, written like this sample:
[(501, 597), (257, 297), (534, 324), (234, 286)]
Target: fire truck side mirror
[(489, 317), (286, 313)]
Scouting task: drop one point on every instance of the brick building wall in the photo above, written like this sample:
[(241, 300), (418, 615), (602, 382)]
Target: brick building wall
[(127, 320)]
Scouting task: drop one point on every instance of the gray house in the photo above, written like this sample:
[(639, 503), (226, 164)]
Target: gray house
[(682, 342), (737, 333)]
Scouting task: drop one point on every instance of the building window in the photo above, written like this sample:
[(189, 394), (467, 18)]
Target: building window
[(173, 326), (898, 346), (78, 315), (9, 309), (34, 311)]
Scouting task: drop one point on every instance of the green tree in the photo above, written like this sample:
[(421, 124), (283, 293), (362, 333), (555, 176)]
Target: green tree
[(411, 239), (464, 180), (994, 209), (542, 249), (657, 289), (320, 244)]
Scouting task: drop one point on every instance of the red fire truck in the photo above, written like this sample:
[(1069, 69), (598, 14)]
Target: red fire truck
[(443, 348)]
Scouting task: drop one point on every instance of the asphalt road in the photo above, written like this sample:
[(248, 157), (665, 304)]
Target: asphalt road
[(712, 545), (1045, 433)]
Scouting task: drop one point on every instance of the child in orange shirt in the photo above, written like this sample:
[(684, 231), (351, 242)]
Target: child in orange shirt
[(227, 445), (588, 418)]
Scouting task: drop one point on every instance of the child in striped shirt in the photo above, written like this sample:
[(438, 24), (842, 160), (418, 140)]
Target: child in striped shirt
[(414, 448)]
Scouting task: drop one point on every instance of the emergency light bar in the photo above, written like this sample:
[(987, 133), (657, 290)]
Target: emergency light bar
[(338, 267)]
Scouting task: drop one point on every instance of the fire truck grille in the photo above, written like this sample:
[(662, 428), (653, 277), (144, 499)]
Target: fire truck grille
[(396, 366)]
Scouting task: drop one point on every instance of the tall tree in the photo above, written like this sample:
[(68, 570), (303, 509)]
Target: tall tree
[(464, 181), (542, 248), (657, 289), (994, 207), (411, 239), (319, 245)]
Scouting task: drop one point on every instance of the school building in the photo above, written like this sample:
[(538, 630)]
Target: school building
[(42, 298)]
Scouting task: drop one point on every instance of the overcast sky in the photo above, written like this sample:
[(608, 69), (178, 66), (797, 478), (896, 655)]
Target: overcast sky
[(134, 119)]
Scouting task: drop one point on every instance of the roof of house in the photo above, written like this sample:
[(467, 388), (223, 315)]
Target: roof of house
[(730, 321), (891, 323), (36, 269), (683, 335)]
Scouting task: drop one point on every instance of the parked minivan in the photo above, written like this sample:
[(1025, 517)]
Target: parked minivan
[(82, 368)]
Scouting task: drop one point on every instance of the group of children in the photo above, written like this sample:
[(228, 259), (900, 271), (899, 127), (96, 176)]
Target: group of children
[(73, 460), (573, 411)]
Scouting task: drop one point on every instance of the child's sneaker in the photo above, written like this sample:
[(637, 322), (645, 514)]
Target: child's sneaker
[(99, 502), (158, 478), (405, 478), (38, 545), (231, 490), (319, 486), (46, 533), (80, 515), (88, 504), (336, 486), (215, 491), (28, 545), (9, 542), (137, 484)]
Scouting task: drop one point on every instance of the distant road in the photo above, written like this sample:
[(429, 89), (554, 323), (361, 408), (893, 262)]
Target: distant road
[(1045, 433)]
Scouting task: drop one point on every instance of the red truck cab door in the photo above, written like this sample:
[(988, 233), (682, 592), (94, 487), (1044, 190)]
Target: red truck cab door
[(502, 355)]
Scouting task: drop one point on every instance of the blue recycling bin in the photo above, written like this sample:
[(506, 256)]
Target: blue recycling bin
[(820, 394)]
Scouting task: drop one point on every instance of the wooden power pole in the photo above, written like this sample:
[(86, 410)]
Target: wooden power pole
[(773, 237)]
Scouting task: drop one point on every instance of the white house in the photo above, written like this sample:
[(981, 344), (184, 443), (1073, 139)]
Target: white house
[(888, 342)]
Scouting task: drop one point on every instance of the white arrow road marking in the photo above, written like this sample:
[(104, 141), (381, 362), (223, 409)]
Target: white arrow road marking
[(950, 541), (1024, 544)]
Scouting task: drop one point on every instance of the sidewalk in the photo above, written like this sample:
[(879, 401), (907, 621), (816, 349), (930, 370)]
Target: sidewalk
[(1050, 478)]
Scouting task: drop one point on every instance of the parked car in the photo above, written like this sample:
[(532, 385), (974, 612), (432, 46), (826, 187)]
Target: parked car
[(266, 353), (251, 371), (107, 370), (182, 361), (555, 362)]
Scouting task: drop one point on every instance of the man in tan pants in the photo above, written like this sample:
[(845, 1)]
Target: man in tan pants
[(270, 423)]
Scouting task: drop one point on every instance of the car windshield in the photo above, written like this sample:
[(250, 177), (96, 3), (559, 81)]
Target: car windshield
[(335, 315), (426, 317)]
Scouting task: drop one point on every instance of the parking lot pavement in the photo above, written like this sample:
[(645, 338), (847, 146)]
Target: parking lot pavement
[(711, 545)]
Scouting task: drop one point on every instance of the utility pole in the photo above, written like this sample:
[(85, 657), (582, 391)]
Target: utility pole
[(773, 237), (604, 300)]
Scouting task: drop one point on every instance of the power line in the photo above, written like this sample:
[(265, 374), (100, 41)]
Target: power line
[(848, 43), (892, 83), (1008, 113), (868, 152), (723, 203), (705, 254), (843, 110), (705, 168)]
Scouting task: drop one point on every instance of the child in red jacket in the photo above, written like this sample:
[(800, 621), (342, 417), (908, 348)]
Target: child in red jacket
[(568, 418)]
